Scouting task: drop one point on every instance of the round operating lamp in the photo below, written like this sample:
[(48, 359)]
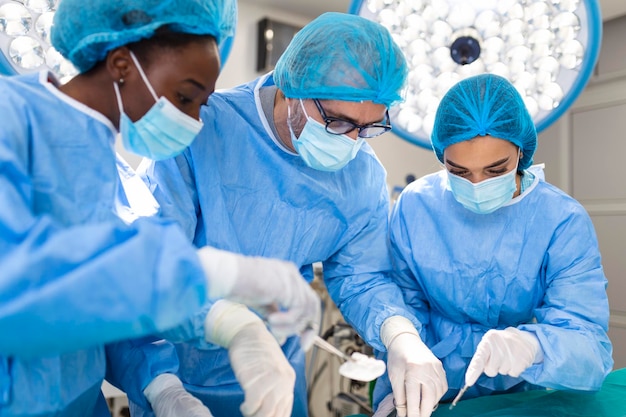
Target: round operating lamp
[(546, 48), (25, 39)]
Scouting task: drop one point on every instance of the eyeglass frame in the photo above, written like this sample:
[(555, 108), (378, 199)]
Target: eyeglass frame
[(328, 120)]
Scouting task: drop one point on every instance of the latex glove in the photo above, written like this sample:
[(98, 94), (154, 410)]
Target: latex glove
[(273, 287), (417, 377), (168, 398), (507, 352), (260, 366)]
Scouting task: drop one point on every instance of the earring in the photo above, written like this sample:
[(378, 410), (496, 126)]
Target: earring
[(121, 81)]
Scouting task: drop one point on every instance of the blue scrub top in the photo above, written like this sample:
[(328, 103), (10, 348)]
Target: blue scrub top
[(533, 264), (74, 274), (238, 188)]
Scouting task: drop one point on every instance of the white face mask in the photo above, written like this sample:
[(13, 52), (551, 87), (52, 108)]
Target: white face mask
[(322, 150)]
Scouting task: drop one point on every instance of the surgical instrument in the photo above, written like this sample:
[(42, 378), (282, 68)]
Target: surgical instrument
[(458, 396), (358, 367)]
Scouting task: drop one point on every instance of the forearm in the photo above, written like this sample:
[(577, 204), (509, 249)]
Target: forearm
[(372, 300), (120, 282), (584, 354)]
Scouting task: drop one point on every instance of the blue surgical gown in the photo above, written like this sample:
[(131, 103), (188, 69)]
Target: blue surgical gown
[(238, 188), (533, 264), (74, 276)]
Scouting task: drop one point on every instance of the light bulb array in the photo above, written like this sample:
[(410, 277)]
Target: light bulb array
[(25, 39), (546, 48)]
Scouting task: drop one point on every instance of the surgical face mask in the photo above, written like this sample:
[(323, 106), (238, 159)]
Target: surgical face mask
[(322, 150), (163, 132), (486, 196)]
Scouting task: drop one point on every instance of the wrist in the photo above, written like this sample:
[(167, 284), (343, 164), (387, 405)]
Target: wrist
[(532, 342), (160, 383), (221, 269), (225, 320), (393, 327)]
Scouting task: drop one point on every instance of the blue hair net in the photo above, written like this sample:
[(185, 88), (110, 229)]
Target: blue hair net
[(483, 105), (345, 57), (84, 31)]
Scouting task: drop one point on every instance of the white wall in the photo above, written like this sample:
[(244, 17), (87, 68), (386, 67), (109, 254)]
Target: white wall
[(240, 66)]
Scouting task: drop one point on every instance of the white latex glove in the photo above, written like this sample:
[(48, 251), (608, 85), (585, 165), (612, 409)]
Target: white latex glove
[(168, 398), (507, 352), (260, 366), (417, 377), (273, 287)]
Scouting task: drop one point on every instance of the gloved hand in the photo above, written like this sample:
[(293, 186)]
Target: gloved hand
[(259, 364), (507, 352), (417, 377), (169, 399), (274, 288)]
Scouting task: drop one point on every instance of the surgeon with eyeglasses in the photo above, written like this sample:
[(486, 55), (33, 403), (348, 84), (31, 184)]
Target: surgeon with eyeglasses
[(282, 169)]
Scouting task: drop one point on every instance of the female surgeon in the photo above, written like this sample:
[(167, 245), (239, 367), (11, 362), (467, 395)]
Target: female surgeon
[(501, 268), (80, 266)]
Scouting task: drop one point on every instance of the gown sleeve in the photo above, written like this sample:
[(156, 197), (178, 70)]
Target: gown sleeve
[(572, 322), (67, 287), (358, 279), (128, 369), (401, 247)]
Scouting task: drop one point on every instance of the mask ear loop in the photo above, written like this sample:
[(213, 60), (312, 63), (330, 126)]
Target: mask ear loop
[(289, 116), (289, 121), (303, 109), (118, 96), (289, 113), (143, 76)]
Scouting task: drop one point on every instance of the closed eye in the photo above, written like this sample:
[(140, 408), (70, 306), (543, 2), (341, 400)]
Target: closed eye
[(183, 100), (459, 173), (498, 171)]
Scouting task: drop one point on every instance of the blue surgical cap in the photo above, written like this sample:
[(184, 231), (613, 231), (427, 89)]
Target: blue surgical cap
[(483, 105), (345, 57), (84, 31)]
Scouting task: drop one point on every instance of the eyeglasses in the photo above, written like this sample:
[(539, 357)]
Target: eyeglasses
[(338, 126)]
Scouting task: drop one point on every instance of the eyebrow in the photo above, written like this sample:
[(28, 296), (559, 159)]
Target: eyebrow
[(196, 83), (495, 164)]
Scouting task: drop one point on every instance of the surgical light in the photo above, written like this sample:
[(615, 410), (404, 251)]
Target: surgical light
[(546, 48), (25, 39)]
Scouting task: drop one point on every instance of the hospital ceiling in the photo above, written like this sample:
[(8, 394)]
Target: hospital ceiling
[(610, 8)]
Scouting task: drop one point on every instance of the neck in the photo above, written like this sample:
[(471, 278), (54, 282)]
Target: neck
[(280, 120), (518, 184), (94, 90)]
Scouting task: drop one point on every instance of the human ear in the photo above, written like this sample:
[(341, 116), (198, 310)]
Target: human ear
[(118, 64)]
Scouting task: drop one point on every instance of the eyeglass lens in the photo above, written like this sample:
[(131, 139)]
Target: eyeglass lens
[(338, 126)]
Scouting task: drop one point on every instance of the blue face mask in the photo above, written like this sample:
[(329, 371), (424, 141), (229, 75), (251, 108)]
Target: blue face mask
[(322, 150), (486, 196), (163, 132)]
